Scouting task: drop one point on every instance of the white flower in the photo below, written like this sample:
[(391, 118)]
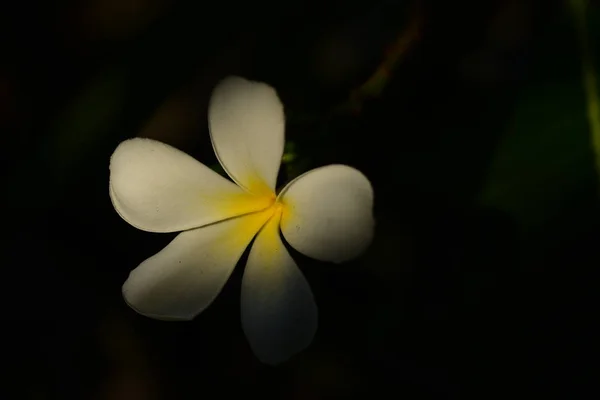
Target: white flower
[(325, 213)]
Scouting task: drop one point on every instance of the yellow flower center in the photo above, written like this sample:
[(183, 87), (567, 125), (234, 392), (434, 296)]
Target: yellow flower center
[(276, 208)]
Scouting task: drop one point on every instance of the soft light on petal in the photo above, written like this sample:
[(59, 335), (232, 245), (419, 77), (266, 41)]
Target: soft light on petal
[(328, 213), (157, 188), (247, 123), (185, 277), (279, 315)]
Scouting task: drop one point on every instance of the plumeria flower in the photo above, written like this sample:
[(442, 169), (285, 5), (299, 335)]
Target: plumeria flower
[(326, 213)]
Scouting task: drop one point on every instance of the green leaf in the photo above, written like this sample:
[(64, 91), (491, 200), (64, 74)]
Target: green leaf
[(544, 166), (590, 82)]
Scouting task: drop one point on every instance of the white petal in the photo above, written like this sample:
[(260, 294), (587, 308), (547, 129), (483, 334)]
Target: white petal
[(279, 315), (247, 122), (157, 188), (328, 213), (185, 277)]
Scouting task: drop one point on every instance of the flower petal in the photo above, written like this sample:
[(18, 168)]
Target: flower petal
[(247, 123), (279, 315), (157, 188), (328, 213), (185, 277)]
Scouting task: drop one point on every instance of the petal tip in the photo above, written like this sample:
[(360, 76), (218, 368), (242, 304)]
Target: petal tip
[(159, 317), (247, 127)]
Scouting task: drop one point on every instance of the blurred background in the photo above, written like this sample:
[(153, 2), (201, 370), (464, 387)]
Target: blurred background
[(473, 119)]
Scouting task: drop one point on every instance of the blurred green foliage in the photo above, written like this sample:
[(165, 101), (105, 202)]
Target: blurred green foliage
[(544, 165)]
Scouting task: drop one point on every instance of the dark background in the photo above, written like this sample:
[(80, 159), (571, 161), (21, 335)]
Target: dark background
[(481, 277)]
